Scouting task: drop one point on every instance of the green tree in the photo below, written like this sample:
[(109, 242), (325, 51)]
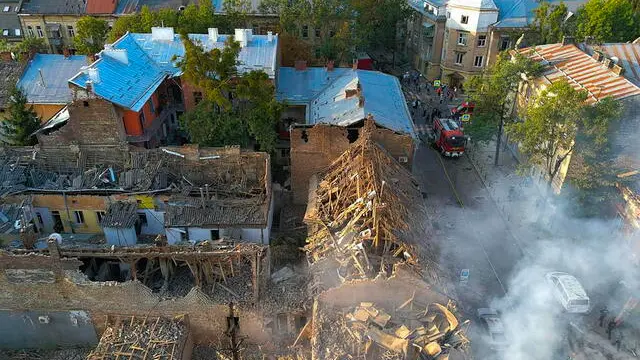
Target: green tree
[(259, 108), (236, 15), (493, 93), (213, 71), (608, 21), (91, 35), (197, 18), (208, 126), (550, 24), (253, 113), (552, 122), (21, 121)]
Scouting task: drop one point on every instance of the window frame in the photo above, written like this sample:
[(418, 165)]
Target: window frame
[(459, 55), (475, 61), (30, 32), (197, 97), (464, 19), (462, 36), (39, 31), (483, 39), (78, 216), (71, 31), (305, 31)]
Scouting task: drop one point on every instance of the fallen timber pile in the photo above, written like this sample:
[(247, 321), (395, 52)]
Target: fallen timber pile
[(144, 338)]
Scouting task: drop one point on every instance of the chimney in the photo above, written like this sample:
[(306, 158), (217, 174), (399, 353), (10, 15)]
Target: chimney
[(248, 34), (66, 53), (618, 70), (607, 63), (330, 65), (240, 36), (361, 101), (269, 36), (162, 33), (355, 64), (6, 56), (301, 65), (597, 55), (89, 86), (566, 40), (213, 34), (94, 75), (91, 58)]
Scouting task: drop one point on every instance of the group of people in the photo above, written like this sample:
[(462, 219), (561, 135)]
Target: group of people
[(429, 110), (611, 326)]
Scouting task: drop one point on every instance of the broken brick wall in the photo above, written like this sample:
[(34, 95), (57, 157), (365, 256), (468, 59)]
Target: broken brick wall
[(92, 122), (70, 290), (315, 148)]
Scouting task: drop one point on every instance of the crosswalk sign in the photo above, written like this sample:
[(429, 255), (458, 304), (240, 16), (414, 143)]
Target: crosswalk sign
[(436, 83), (466, 117)]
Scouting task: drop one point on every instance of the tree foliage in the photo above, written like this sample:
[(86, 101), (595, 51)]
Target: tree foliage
[(21, 121), (253, 112), (493, 94), (194, 19), (608, 21), (557, 121), (550, 24), (345, 26), (91, 35)]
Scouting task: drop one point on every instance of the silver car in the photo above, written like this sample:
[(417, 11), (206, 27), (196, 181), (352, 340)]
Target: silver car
[(492, 324)]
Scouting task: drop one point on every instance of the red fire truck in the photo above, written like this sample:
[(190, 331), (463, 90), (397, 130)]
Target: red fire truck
[(450, 139)]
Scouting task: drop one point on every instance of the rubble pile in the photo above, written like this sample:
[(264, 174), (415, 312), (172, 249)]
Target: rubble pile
[(412, 331), (366, 213), (144, 338)]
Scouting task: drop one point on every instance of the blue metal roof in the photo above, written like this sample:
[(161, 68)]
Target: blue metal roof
[(259, 54), (324, 92), (46, 78), (520, 13), (129, 84)]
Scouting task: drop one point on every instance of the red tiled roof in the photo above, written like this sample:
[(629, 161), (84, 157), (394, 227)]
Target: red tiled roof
[(101, 6), (582, 71)]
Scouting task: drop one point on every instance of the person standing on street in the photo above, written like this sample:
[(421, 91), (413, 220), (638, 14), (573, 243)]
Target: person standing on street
[(603, 314), (610, 326)]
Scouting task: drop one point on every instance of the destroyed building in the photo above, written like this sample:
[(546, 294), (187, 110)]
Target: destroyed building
[(183, 193), (327, 108), (364, 215)]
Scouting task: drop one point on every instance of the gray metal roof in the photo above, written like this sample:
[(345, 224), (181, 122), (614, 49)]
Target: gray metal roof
[(120, 215), (46, 78), (54, 7)]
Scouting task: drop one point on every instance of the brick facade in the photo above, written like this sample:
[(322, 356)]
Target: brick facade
[(71, 291), (92, 121), (322, 144)]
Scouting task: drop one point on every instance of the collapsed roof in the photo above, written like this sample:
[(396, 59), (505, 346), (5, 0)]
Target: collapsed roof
[(366, 213), (222, 179)]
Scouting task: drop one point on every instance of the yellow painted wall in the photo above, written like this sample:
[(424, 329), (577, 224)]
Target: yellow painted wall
[(88, 204), (46, 111)]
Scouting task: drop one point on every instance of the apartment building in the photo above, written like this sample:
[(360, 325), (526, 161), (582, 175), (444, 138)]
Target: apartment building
[(10, 29), (455, 39)]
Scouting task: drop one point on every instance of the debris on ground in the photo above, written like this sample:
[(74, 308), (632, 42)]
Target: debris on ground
[(411, 331), (143, 337), (281, 275)]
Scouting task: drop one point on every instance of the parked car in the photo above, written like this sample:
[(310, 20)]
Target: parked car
[(569, 292), (492, 324)]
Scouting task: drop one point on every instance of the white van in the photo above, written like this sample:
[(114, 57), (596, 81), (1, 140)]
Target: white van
[(567, 289)]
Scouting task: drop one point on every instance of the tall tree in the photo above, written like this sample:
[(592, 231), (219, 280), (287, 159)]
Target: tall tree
[(236, 15), (552, 122), (254, 112), (91, 35), (21, 121), (608, 21), (213, 71), (550, 24), (493, 93)]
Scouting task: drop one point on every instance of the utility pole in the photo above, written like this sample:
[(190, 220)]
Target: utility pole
[(498, 141), (232, 332)]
